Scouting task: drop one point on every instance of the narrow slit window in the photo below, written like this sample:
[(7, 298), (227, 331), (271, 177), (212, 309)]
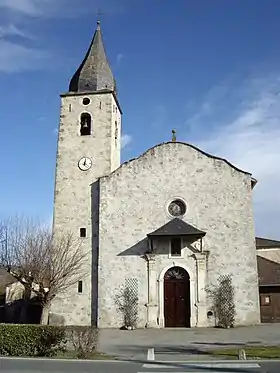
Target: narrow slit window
[(83, 232), (116, 130), (176, 246), (85, 124), (80, 286), (100, 105)]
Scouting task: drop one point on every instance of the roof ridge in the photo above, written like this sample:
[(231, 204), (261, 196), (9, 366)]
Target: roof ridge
[(143, 154)]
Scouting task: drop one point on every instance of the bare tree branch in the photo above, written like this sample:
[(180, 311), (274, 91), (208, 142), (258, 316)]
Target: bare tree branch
[(61, 262), (43, 264)]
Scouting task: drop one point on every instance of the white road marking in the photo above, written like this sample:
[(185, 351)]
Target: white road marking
[(202, 365), (151, 354)]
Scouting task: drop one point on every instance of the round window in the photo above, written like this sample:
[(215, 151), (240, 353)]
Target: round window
[(177, 208), (86, 101)]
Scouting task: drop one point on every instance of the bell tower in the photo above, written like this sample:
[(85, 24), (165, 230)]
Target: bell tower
[(89, 146)]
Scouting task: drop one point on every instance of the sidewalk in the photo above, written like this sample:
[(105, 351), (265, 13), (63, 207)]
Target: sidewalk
[(184, 344)]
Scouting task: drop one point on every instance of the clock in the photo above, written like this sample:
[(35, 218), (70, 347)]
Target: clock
[(85, 164)]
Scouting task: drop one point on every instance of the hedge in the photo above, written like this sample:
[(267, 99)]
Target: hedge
[(47, 340), (31, 340)]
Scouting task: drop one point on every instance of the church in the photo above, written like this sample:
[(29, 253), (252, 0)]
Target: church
[(166, 224)]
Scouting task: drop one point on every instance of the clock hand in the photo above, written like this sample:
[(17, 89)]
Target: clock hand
[(85, 162)]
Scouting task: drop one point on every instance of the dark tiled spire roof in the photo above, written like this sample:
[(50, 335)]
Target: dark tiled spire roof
[(94, 73)]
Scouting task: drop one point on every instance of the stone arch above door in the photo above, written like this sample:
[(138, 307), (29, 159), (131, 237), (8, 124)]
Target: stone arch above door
[(176, 273)]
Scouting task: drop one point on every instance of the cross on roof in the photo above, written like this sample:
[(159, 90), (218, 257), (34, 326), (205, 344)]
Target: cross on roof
[(99, 13)]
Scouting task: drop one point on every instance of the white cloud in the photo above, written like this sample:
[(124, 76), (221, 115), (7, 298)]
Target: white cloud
[(16, 58), (37, 8), (125, 140), (12, 30), (119, 58), (29, 7), (58, 8), (248, 135)]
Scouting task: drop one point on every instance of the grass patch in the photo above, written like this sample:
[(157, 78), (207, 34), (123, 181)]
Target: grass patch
[(93, 356), (261, 352)]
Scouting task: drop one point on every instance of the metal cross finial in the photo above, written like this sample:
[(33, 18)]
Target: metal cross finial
[(99, 13), (174, 135)]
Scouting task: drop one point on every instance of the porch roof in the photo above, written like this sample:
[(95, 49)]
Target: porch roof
[(177, 227)]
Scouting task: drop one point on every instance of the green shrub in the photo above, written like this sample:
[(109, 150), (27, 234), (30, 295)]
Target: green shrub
[(84, 340), (223, 301), (31, 340)]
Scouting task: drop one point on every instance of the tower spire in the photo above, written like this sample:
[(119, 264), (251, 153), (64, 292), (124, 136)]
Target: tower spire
[(94, 73)]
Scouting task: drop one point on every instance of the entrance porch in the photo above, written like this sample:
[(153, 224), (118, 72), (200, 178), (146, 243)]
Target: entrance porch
[(177, 270)]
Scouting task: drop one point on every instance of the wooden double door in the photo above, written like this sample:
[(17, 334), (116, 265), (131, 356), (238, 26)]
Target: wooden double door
[(177, 298)]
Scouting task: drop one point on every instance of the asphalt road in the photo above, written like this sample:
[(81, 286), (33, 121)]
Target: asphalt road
[(66, 366), (17, 365)]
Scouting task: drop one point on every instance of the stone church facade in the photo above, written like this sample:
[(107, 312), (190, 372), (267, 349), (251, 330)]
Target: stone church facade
[(165, 224)]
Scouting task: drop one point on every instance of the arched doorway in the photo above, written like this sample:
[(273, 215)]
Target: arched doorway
[(177, 310)]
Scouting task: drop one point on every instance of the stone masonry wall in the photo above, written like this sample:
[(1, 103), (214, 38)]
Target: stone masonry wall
[(72, 207), (133, 202)]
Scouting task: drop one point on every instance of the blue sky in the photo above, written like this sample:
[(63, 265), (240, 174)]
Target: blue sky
[(209, 68)]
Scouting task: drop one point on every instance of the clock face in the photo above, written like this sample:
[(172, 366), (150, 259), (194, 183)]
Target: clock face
[(85, 164)]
